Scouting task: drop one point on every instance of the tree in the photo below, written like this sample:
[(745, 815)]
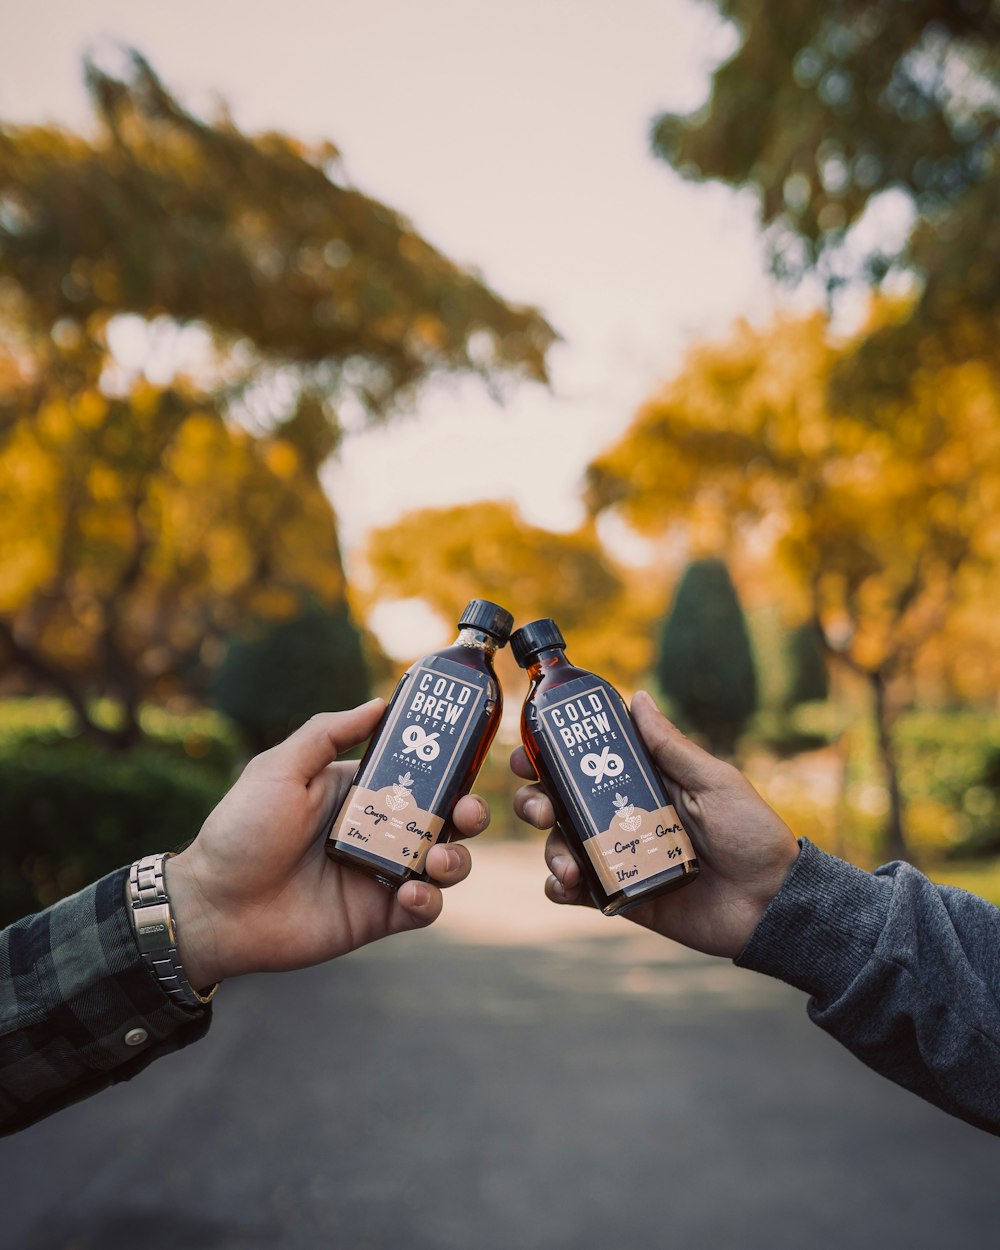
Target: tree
[(833, 111), (146, 514), (139, 530), (447, 556), (278, 674), (882, 521), (705, 665)]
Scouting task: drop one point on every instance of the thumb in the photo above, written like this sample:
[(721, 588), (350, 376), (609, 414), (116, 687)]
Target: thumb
[(676, 756), (323, 737)]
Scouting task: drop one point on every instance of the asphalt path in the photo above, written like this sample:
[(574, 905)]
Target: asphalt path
[(520, 1076)]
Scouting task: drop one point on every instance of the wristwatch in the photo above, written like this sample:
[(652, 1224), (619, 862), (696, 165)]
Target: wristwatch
[(156, 933)]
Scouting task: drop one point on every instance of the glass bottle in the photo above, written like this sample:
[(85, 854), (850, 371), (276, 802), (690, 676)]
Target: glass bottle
[(610, 801), (425, 753)]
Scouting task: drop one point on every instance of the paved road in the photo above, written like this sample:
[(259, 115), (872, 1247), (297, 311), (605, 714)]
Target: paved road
[(520, 1078)]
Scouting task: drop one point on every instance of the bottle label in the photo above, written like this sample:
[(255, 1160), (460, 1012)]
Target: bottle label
[(630, 830), (397, 806), (388, 823)]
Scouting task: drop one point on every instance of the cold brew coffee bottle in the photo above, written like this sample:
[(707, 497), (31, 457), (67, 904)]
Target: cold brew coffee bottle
[(425, 753), (610, 800)]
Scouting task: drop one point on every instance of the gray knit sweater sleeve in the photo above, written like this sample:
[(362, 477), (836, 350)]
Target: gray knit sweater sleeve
[(904, 973)]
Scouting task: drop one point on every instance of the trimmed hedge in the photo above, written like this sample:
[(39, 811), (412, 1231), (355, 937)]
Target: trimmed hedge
[(70, 812), (71, 815)]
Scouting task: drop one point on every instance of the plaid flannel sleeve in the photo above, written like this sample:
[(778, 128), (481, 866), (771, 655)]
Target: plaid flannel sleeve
[(72, 988)]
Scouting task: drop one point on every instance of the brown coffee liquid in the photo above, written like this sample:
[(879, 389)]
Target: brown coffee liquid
[(425, 754), (609, 798)]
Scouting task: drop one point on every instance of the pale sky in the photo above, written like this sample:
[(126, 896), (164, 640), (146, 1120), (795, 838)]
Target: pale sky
[(514, 136)]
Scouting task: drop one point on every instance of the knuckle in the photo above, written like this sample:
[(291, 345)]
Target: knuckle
[(255, 765)]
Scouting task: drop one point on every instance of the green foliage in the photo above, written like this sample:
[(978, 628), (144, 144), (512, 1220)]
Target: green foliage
[(785, 732), (276, 677), (950, 773), (791, 676), (948, 768), (948, 765), (71, 811), (808, 679), (40, 720), (705, 664), (70, 815), (791, 664), (203, 737)]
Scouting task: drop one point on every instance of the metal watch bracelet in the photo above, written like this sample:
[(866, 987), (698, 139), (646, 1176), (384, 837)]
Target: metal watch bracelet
[(155, 932)]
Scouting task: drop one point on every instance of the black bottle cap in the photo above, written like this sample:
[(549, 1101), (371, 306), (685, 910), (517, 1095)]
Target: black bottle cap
[(491, 618), (534, 637)]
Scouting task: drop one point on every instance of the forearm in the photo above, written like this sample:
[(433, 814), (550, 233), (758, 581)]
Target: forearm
[(78, 1008), (904, 973)]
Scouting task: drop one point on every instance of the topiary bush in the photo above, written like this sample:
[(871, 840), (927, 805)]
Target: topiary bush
[(706, 666), (280, 673)]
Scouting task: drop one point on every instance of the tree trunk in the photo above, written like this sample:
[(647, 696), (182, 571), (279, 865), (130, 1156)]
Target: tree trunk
[(895, 835), (50, 675), (122, 684), (129, 733)]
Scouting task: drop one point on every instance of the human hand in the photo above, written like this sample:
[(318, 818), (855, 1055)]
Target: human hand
[(744, 848), (256, 890)]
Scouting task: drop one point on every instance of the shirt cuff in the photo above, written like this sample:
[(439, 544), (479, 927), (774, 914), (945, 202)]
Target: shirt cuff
[(822, 926)]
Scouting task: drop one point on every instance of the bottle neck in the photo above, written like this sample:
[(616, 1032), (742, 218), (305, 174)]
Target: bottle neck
[(547, 658), (478, 638)]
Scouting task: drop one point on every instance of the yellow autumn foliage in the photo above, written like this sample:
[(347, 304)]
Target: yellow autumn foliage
[(447, 556), (880, 518), (143, 526)]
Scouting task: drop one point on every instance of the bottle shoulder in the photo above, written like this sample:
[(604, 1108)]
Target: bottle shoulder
[(476, 662), (469, 657), (549, 681)]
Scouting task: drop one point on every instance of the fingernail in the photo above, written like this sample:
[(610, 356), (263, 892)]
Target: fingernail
[(560, 866), (484, 811), (453, 859), (533, 809), (557, 888), (421, 895)]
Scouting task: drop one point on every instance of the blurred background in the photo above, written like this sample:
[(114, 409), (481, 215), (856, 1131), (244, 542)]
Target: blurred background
[(662, 319)]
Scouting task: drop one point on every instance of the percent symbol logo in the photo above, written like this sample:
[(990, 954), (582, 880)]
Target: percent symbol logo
[(604, 765), (424, 745)]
